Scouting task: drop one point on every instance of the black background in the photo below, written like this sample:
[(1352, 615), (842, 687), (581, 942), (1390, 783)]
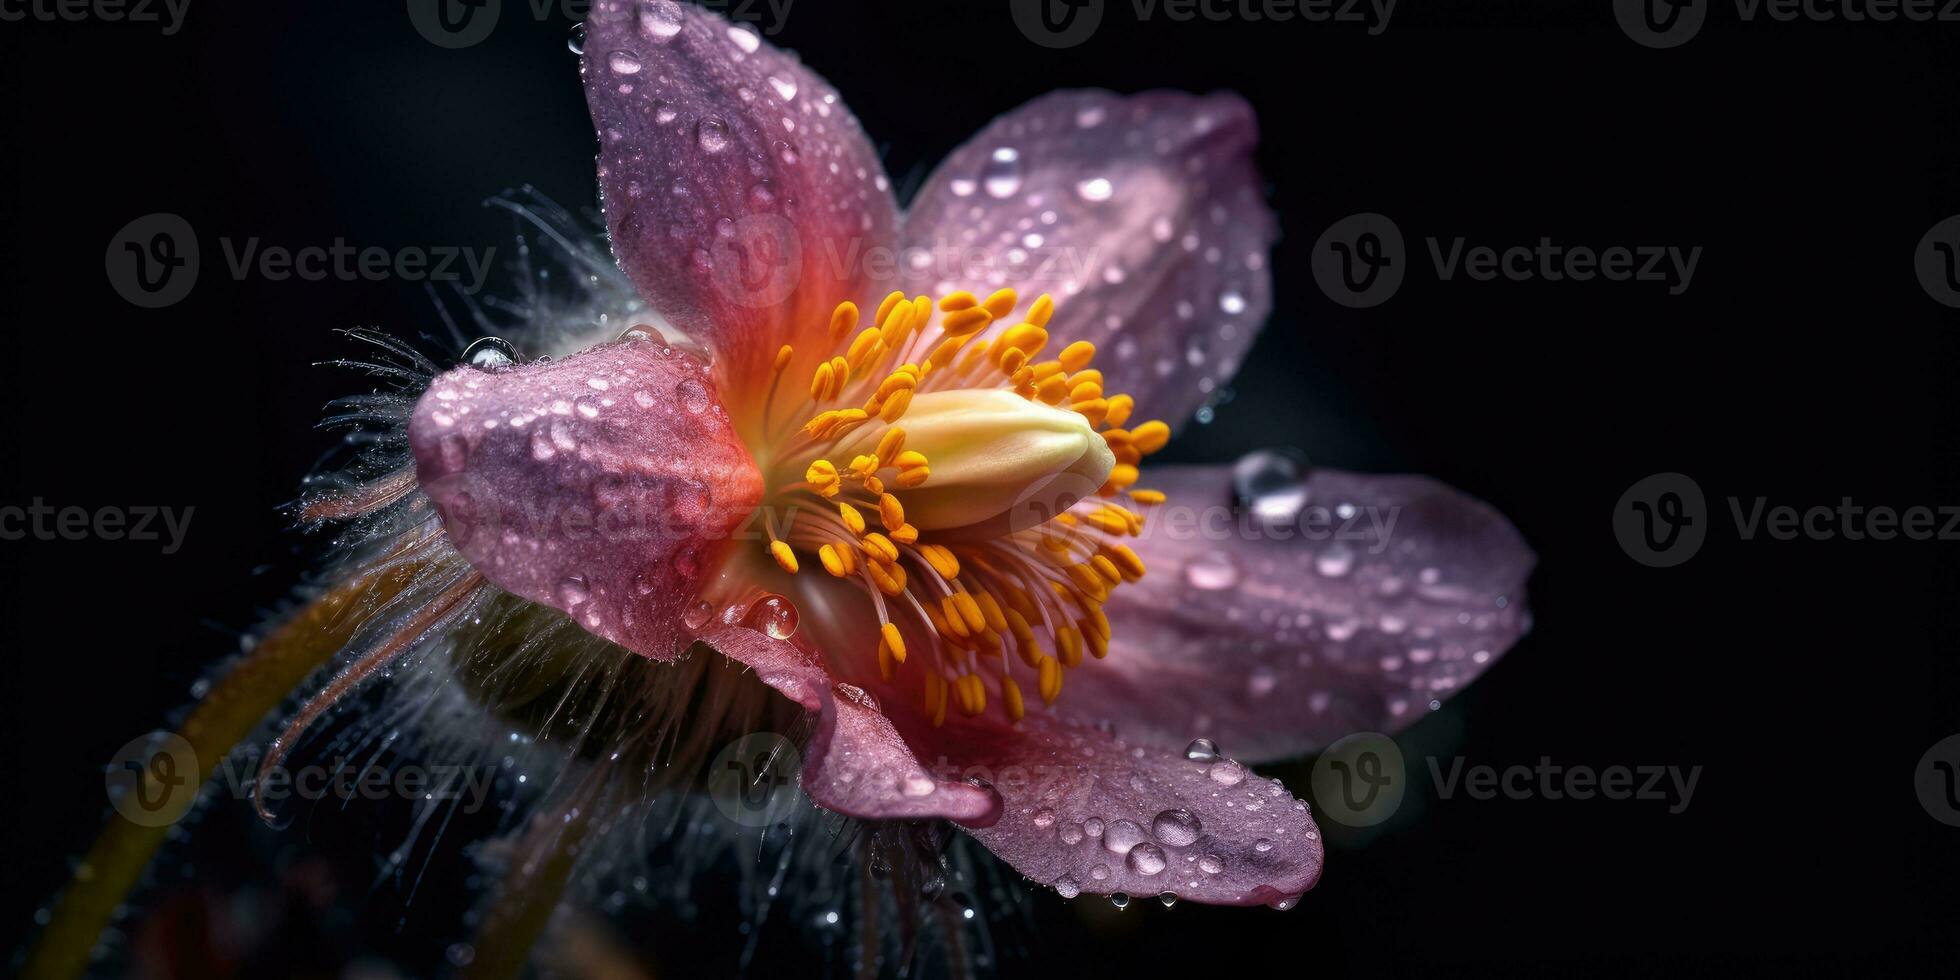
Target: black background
[(1804, 364)]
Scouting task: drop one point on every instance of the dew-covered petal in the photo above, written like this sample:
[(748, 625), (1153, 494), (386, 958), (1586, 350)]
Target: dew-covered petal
[(855, 762), (741, 194), (1142, 215), (1086, 811), (1387, 594), (601, 485)]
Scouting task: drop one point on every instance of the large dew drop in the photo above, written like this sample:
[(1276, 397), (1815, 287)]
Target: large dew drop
[(1177, 827), (1271, 484), (1002, 174)]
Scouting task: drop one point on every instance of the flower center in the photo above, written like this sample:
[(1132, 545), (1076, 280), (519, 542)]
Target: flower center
[(978, 497)]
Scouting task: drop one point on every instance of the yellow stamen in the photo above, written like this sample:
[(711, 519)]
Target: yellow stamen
[(1010, 693), (1051, 680), (851, 517), (1150, 436), (842, 319), (784, 556), (1000, 421), (1001, 303), (1043, 308), (1119, 410)]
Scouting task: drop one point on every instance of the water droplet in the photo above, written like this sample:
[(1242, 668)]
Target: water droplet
[(1231, 302), (573, 591), (660, 19), (1119, 900), (1044, 817), (1095, 189), (1146, 859), (1001, 175), (916, 783), (664, 112), (772, 615), (1335, 561), (1215, 570), (1093, 826), (1067, 887), (1122, 836), (1211, 864), (784, 87), (1070, 833), (1262, 845), (1226, 772), (1177, 827), (1272, 484), (1100, 872), (693, 395), (712, 134), (1201, 750), (623, 62), (1090, 117), (745, 39), (1168, 899), (1285, 903), (490, 353), (1261, 681)]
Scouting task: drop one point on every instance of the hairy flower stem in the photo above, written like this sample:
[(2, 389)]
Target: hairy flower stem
[(545, 857), (236, 705)]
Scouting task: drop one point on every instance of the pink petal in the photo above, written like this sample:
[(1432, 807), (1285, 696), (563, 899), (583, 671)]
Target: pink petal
[(1087, 812), (1142, 215), (1276, 647), (594, 485), (740, 193), (855, 763)]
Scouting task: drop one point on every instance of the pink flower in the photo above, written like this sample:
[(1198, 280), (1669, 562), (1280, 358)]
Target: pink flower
[(894, 461)]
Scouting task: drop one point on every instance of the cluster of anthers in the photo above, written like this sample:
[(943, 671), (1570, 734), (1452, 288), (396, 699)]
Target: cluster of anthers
[(971, 575)]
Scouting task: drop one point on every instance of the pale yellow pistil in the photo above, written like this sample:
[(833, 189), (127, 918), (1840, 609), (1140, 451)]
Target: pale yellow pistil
[(992, 520)]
